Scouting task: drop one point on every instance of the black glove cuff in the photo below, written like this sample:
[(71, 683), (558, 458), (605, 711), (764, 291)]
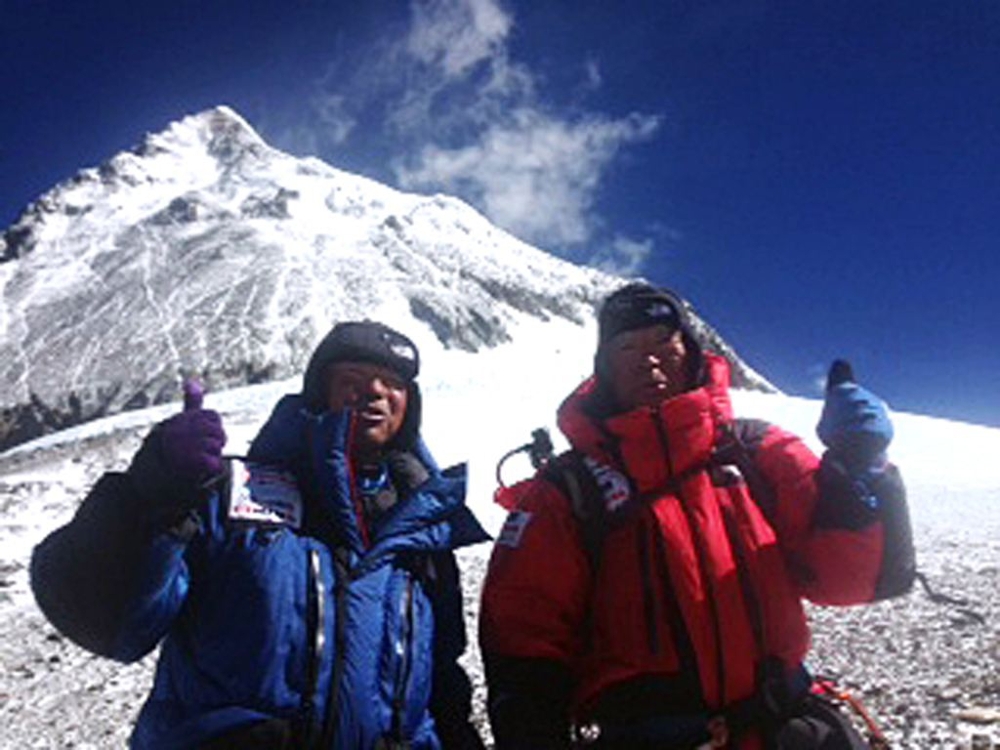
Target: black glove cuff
[(845, 500)]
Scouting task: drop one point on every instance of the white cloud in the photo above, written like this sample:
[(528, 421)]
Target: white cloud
[(297, 139), (625, 257), (593, 79), (533, 174), (461, 116), (459, 75), (455, 35), (335, 113)]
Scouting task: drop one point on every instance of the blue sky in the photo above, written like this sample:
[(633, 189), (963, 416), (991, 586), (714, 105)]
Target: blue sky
[(820, 179)]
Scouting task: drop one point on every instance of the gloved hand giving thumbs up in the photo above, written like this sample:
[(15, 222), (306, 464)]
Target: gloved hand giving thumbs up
[(854, 425), (191, 442), (856, 482), (179, 458)]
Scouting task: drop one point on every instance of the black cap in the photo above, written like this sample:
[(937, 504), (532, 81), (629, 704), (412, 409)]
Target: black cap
[(359, 341), (639, 305)]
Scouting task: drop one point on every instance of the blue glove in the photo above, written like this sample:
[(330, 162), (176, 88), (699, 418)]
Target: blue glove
[(855, 424), (191, 442)]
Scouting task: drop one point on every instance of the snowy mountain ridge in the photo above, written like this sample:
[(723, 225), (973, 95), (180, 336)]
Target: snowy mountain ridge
[(206, 251)]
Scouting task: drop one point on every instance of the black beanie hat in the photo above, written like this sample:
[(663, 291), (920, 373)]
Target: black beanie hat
[(641, 305), (360, 341)]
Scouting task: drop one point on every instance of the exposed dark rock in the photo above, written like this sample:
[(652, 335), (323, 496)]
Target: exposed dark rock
[(268, 207), (181, 210), (539, 305), (18, 241), (464, 329)]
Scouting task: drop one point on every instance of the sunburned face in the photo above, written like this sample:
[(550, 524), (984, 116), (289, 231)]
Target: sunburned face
[(647, 366), (378, 396)]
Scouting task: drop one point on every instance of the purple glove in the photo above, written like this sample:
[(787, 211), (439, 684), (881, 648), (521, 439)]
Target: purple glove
[(191, 442)]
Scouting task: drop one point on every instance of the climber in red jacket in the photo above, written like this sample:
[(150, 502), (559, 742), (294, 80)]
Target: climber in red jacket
[(646, 590)]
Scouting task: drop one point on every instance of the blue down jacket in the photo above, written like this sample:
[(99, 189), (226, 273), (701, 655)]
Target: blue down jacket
[(269, 605)]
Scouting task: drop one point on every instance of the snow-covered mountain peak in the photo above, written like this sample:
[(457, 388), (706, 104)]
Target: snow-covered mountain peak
[(206, 251), (196, 153), (220, 130)]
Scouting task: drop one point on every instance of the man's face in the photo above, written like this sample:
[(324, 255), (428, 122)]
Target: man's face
[(647, 366), (378, 396)]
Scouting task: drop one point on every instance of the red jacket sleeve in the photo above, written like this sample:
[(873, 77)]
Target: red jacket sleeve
[(834, 546), (536, 589)]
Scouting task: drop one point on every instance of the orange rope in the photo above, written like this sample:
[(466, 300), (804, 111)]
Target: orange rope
[(875, 737)]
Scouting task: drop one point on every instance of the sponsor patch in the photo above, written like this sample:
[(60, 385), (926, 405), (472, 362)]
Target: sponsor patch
[(513, 528), (660, 310), (260, 494), (615, 488), (403, 351)]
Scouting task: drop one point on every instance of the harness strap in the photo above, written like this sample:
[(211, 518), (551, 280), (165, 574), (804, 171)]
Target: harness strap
[(960, 605), (675, 618)]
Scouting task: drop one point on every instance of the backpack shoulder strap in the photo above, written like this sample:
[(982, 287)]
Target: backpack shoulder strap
[(734, 448), (569, 472)]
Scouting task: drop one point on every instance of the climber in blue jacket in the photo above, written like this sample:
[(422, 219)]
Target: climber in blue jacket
[(305, 597)]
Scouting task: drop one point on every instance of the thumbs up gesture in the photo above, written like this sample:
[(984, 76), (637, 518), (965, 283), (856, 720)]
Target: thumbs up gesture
[(191, 442), (855, 423)]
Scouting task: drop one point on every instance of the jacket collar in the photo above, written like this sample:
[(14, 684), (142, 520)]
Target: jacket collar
[(316, 449), (651, 445)]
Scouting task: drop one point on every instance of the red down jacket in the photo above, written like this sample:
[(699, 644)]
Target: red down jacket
[(694, 586)]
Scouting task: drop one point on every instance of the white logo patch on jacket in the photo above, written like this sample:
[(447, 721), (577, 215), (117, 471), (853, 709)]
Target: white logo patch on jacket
[(513, 528), (261, 494), (615, 487)]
